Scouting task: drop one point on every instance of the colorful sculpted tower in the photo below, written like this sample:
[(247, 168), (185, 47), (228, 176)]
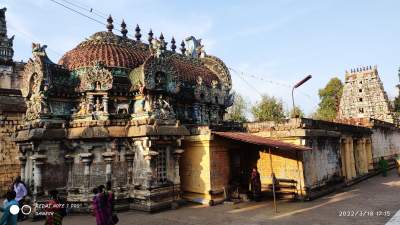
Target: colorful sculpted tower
[(364, 96)]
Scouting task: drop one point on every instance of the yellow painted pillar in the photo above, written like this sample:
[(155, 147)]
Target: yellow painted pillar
[(359, 156), (365, 158), (352, 161), (349, 158), (343, 156), (368, 148)]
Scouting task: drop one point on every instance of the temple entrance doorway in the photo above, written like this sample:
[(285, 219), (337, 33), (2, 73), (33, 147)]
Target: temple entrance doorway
[(242, 161)]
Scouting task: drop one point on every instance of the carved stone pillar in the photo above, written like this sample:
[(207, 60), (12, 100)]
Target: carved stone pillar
[(197, 113), (177, 157), (129, 157), (38, 161), (86, 158), (148, 156), (352, 165), (108, 158), (90, 104), (23, 159), (69, 161), (105, 104)]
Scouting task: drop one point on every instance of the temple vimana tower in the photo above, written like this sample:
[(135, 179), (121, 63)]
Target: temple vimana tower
[(364, 96)]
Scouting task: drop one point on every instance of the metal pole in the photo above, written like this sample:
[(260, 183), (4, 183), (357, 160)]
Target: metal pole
[(273, 180), (296, 86), (294, 111)]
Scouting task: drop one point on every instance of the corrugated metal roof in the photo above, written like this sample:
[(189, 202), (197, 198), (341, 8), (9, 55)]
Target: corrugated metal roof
[(262, 141)]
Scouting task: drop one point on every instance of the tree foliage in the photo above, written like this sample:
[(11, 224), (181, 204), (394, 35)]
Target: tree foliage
[(296, 111), (329, 99), (237, 112), (397, 102), (268, 109)]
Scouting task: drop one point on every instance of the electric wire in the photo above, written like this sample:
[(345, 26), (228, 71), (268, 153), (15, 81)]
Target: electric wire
[(84, 15)]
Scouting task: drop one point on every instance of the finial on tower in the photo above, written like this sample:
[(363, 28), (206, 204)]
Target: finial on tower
[(110, 25), (183, 49), (173, 46), (150, 38), (138, 35), (163, 43), (124, 31)]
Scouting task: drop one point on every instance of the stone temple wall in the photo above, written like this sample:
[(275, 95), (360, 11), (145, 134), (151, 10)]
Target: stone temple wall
[(9, 163), (11, 111)]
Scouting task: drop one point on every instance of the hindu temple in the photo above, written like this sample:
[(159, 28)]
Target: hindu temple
[(113, 109)]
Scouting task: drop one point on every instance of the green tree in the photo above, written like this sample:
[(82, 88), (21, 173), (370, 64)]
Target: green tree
[(237, 112), (268, 109), (297, 111), (397, 102), (329, 99)]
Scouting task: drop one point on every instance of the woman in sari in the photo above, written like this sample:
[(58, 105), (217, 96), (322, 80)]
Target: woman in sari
[(102, 207), (255, 184), (54, 209)]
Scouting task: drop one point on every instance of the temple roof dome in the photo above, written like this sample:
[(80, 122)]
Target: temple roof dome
[(111, 50), (120, 52)]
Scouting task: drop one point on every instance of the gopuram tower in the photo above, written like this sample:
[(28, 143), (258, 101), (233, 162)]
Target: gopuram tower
[(364, 96)]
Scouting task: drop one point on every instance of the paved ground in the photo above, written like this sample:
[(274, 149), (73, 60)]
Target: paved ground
[(371, 202)]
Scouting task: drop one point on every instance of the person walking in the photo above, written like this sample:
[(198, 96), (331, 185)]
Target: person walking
[(101, 207), (21, 192), (383, 166), (111, 199), (8, 218), (54, 209), (255, 184)]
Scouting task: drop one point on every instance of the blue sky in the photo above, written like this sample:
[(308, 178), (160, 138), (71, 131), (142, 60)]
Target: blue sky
[(278, 41)]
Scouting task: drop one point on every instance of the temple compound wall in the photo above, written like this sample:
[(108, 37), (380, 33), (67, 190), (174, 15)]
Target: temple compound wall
[(339, 152), (12, 108), (386, 142), (385, 138), (213, 167)]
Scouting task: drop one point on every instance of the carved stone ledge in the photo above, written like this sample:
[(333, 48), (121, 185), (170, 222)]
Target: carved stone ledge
[(108, 156), (39, 159), (86, 157), (178, 151)]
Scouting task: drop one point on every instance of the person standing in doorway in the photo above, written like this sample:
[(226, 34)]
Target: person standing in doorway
[(255, 184), (21, 192)]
